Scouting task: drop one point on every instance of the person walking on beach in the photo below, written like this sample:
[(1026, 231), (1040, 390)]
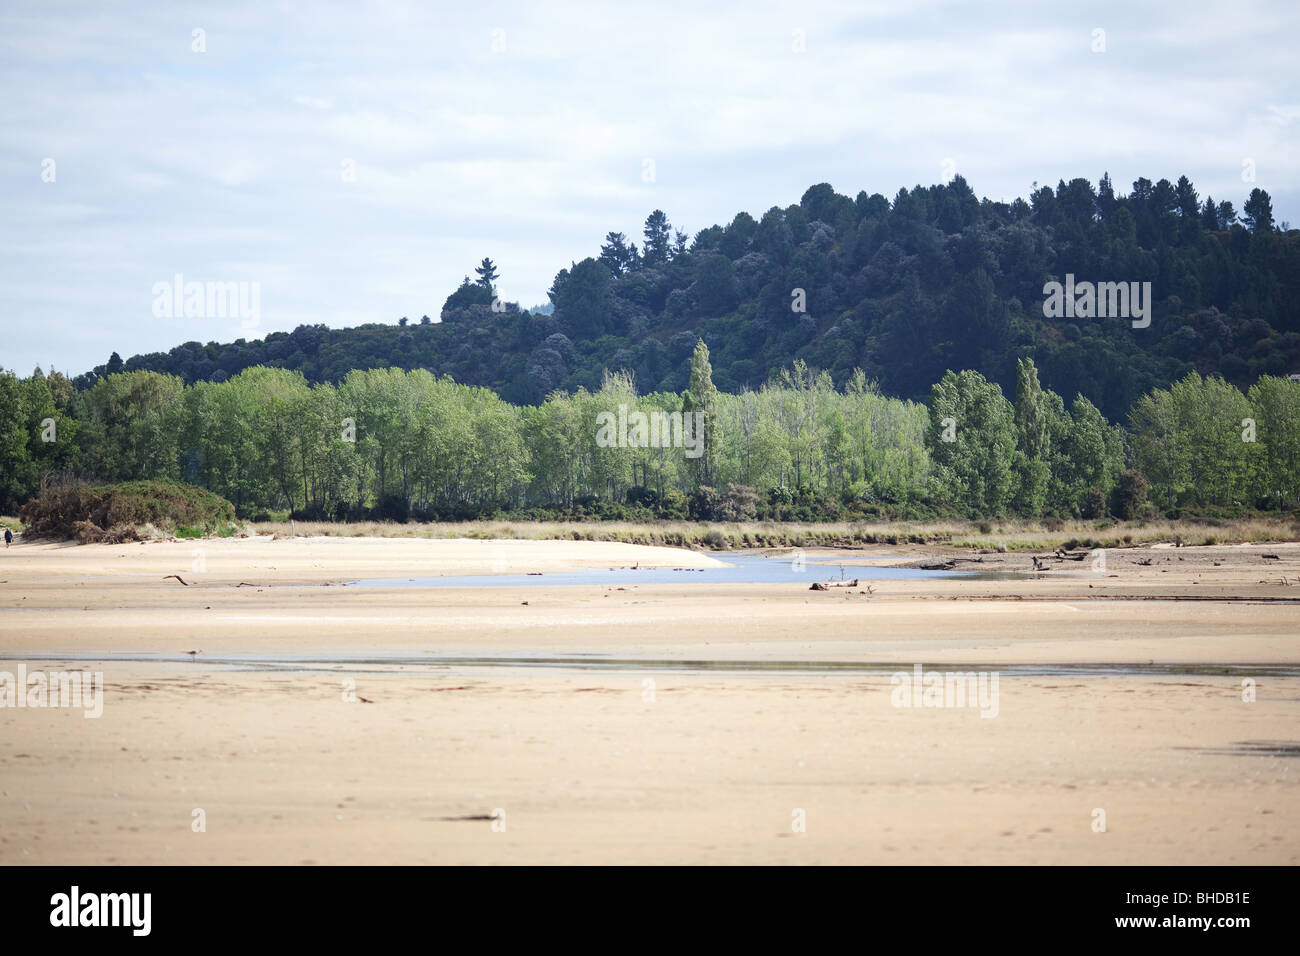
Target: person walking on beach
[(9, 537)]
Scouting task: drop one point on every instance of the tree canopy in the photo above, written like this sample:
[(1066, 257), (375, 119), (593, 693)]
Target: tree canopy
[(904, 289)]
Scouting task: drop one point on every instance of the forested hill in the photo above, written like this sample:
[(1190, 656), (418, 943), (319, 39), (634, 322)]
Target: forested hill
[(935, 279)]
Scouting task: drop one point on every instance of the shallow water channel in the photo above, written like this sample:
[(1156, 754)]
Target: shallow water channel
[(743, 569)]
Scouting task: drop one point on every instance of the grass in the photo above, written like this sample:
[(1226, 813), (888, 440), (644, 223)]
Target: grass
[(978, 535), (713, 536)]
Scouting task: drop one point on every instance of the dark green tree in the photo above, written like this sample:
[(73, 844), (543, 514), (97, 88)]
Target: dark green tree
[(715, 285), (469, 294), (1187, 199), (1257, 214), (658, 239), (619, 257), (583, 302), (1210, 215), (487, 274)]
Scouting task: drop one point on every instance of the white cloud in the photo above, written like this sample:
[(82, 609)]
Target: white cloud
[(228, 164)]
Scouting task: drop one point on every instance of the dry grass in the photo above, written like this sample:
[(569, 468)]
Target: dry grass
[(1014, 535), (1011, 535)]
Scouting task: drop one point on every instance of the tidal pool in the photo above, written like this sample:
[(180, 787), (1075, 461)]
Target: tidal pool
[(744, 569)]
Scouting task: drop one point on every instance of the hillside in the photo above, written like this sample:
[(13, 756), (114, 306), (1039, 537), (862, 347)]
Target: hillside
[(935, 279)]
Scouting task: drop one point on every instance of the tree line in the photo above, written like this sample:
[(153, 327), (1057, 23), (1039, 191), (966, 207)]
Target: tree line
[(401, 443), (902, 287)]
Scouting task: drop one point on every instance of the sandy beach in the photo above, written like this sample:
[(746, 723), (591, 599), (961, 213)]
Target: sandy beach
[(660, 723)]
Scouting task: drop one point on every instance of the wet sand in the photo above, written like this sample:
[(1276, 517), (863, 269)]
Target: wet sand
[(267, 728)]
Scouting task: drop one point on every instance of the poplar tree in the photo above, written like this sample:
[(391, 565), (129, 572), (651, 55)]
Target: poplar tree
[(702, 396)]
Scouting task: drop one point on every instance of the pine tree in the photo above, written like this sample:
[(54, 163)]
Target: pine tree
[(1188, 206), (487, 274), (1210, 215), (658, 238), (617, 254), (1105, 197), (1257, 214)]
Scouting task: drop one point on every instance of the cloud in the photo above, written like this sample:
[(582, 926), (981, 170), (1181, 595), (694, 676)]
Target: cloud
[(359, 163)]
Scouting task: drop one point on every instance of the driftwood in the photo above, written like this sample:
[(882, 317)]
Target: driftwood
[(827, 585), (948, 564), (178, 578)]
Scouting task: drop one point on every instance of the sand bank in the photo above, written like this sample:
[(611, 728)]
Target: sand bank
[(290, 764)]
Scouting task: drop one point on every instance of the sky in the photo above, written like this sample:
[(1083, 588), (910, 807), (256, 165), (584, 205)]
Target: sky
[(356, 161)]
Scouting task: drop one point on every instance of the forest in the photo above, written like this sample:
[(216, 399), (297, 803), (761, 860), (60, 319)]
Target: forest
[(847, 357), (902, 289), (397, 444)]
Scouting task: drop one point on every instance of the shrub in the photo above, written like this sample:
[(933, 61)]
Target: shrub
[(716, 540), (704, 504), (640, 495), (1093, 504), (130, 511), (392, 507), (673, 505), (740, 503), (1130, 495)]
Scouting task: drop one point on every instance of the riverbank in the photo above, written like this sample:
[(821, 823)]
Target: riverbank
[(1011, 534)]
